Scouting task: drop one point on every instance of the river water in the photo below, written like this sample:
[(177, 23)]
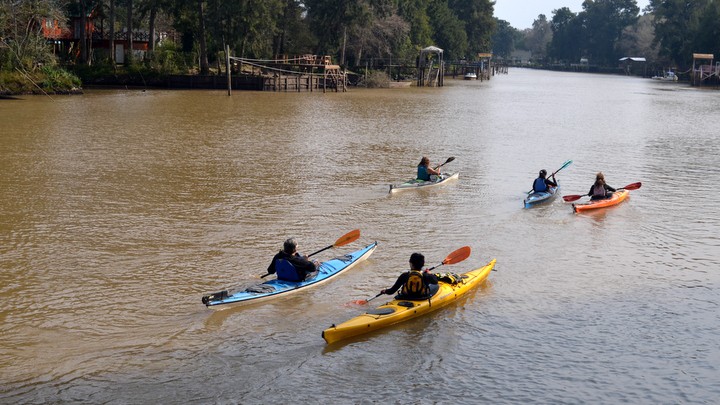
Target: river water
[(120, 209)]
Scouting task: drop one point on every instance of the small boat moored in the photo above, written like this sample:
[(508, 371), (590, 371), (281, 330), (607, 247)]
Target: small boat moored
[(668, 76)]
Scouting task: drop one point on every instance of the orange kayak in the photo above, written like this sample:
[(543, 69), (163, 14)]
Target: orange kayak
[(617, 198)]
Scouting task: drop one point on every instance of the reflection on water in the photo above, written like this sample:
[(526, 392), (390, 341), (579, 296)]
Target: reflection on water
[(121, 209)]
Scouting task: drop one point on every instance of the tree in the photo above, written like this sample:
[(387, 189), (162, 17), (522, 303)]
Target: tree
[(23, 44), (637, 40), (503, 41), (604, 22), (415, 12), (677, 26), (567, 42), (449, 30), (538, 37), (479, 22)]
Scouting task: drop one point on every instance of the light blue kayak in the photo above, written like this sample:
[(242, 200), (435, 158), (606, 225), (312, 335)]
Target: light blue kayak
[(534, 199), (275, 288)]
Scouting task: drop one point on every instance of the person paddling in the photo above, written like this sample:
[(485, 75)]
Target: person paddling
[(291, 265), (424, 171), (416, 284), (543, 184), (600, 190)]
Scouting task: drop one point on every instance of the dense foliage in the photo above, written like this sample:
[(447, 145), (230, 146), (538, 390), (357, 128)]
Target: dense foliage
[(359, 33)]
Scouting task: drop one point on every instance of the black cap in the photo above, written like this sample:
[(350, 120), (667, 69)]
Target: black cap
[(417, 261)]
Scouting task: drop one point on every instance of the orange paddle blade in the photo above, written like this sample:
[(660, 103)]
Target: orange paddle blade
[(458, 255), (349, 237)]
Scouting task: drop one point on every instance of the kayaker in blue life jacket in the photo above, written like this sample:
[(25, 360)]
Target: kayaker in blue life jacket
[(416, 283), (600, 190), (542, 184), (291, 265), (424, 171)]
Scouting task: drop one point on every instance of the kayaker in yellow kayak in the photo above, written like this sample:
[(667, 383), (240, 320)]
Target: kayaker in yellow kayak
[(424, 171), (291, 265), (542, 184), (416, 284), (600, 190)]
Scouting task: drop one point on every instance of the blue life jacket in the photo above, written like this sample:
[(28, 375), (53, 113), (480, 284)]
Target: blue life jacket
[(286, 271), (422, 173), (539, 185)]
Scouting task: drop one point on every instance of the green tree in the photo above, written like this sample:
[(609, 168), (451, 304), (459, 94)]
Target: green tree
[(479, 22), (23, 45), (637, 40), (683, 26), (707, 39), (567, 41), (538, 37), (415, 12), (503, 41), (449, 30), (604, 23)]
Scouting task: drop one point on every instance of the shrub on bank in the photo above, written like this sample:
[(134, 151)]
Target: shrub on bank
[(375, 79), (47, 79)]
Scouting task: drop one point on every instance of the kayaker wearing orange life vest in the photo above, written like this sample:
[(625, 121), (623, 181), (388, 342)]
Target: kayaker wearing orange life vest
[(416, 284), (542, 184), (600, 190)]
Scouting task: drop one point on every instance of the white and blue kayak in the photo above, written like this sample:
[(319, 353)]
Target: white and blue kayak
[(537, 198), (276, 288), (415, 184)]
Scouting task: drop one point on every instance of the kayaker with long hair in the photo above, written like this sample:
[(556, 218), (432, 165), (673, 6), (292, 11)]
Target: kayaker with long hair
[(543, 184), (424, 171), (291, 265), (415, 283), (600, 190)]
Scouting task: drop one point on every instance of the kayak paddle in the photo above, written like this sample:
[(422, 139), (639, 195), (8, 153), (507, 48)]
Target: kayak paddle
[(455, 257), (349, 237), (363, 302), (564, 165), (450, 159), (575, 197)]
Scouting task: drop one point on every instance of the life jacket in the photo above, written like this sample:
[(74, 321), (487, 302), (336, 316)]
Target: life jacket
[(422, 173), (286, 271), (539, 185), (415, 285), (599, 190)]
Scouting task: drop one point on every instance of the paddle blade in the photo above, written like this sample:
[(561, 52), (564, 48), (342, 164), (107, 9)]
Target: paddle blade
[(458, 255), (564, 165), (575, 197), (450, 159), (633, 186), (349, 237)]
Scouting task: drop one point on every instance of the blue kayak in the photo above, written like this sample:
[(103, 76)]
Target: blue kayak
[(534, 199), (275, 288)]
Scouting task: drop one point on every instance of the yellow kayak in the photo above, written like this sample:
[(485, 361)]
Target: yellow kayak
[(397, 311)]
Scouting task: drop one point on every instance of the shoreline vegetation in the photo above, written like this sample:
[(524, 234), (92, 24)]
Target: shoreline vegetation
[(60, 81)]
